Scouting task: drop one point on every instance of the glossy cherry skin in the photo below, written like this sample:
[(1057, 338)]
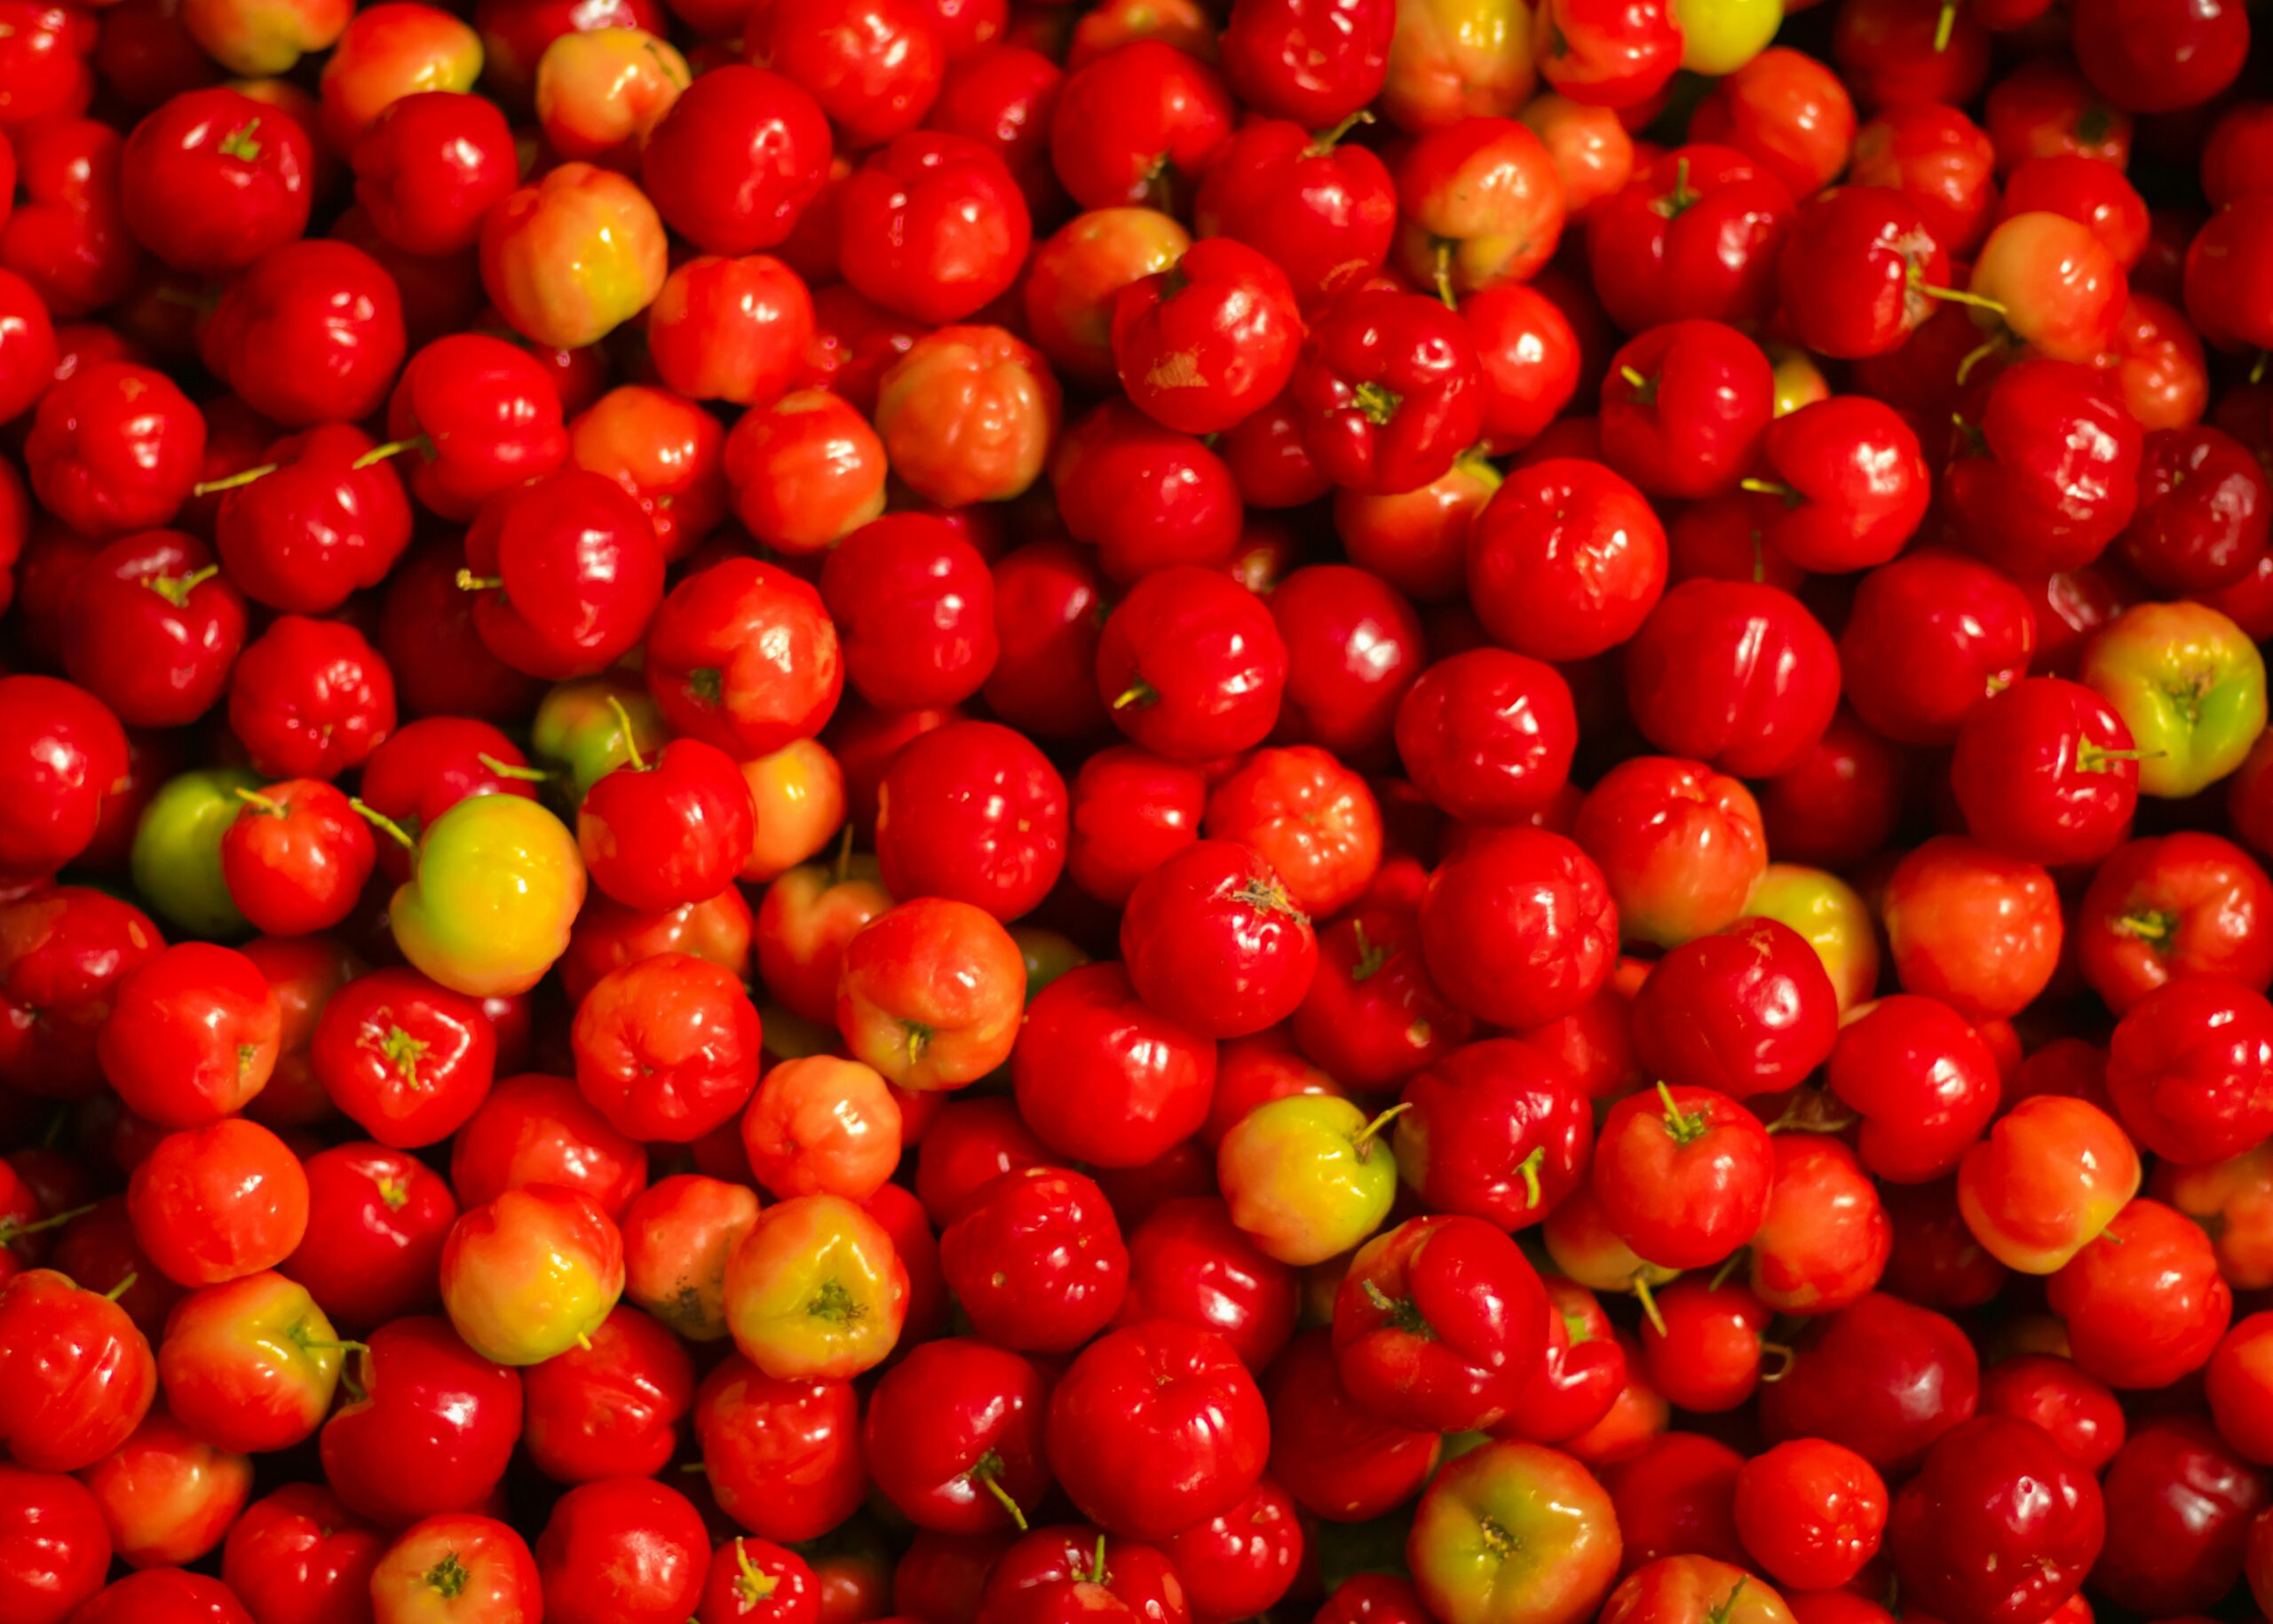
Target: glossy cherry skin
[(61, 750), (193, 1035), (1156, 1427), (1497, 1129), (914, 608), (1147, 497), (2164, 909), (974, 813), (1388, 390), (63, 951), (577, 572), (214, 1204), (2187, 1070), (1488, 735), (1685, 408), (1209, 342), (1519, 929), (214, 179), (1696, 234), (743, 654), (736, 159), (1373, 1015), (2148, 1255), (79, 1375), (1188, 1262), (299, 1556), (1881, 1377), (1191, 665), (1746, 1010), (1036, 1258), (1999, 1524), (953, 1431), (1340, 1460), (483, 418), (188, 626), (1327, 215), (1682, 1175), (2043, 473), (330, 306), (1212, 940), (1932, 637), (1752, 715), (433, 1432), (304, 536), (1145, 1077), (659, 834), (1972, 927), (167, 1595), (626, 1550), (2044, 771), (783, 1457), (1440, 1323), (2180, 1504), (377, 1221)]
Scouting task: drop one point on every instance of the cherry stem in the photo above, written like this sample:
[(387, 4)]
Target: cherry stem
[(1445, 274), (1944, 26), (394, 447), (123, 1288), (506, 769), (2090, 757), (344, 1345), (1364, 1142), (1955, 296), (1002, 1497), (631, 744), (1529, 1167), (1683, 1127), (1785, 1355), (1326, 143), (1098, 1574), (843, 870), (11, 1232), (1728, 1267), (1979, 354), (267, 803), (1138, 692), (379, 820), (1770, 488), (1648, 1300), (693, 1466), (207, 487), (2257, 367), (468, 581)]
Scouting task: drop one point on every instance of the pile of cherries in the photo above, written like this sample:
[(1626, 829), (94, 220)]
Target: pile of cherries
[(961, 811)]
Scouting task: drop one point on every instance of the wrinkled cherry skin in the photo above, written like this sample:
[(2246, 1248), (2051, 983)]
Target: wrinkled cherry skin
[(376, 1222), (1682, 1175), (1881, 1377), (1980, 930), (1997, 1527), (1191, 665), (1680, 847), (2043, 773), (1519, 930), (783, 1457), (1139, 123), (1735, 674), (1213, 941), (115, 448), (1685, 408), (2080, 1411), (63, 953), (489, 416)]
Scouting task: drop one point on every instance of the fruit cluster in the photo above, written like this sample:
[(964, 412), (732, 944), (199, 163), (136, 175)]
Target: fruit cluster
[(961, 811)]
